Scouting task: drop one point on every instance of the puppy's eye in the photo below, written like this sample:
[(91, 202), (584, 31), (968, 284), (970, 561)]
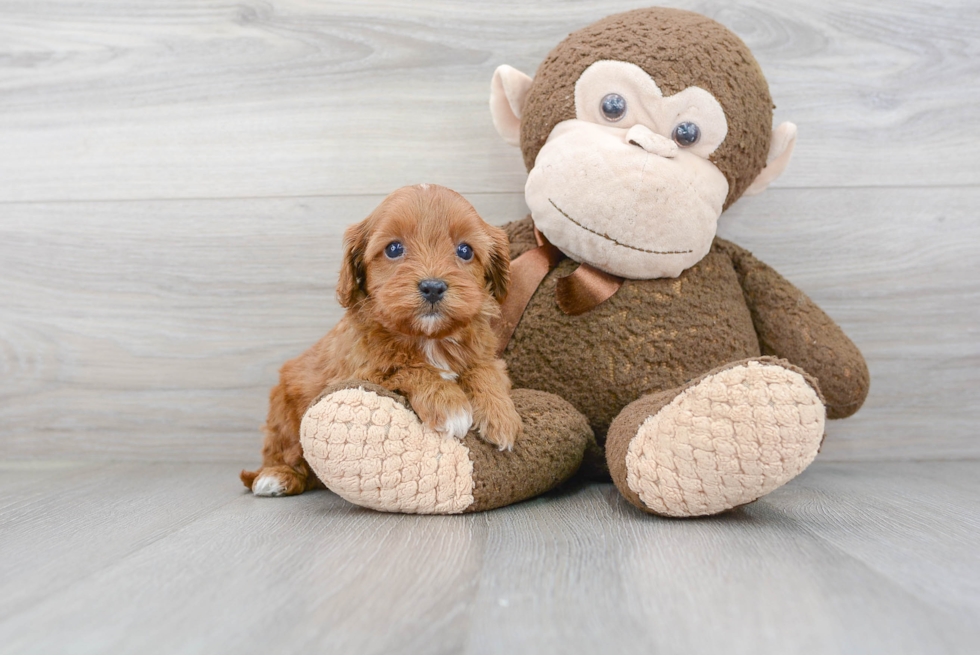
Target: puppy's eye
[(613, 107), (686, 134), (394, 250), (464, 252)]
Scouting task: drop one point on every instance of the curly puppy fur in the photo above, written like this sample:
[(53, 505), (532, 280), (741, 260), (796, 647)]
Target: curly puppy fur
[(439, 355)]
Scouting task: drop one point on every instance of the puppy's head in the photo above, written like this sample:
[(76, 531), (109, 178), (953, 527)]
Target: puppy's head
[(424, 263)]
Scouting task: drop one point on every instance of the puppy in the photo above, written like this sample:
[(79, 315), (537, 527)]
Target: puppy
[(422, 278)]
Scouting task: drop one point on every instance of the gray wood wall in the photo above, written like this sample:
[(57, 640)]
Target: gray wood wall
[(175, 177)]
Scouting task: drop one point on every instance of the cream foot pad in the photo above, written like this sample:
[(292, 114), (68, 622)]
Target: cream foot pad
[(373, 451), (726, 441)]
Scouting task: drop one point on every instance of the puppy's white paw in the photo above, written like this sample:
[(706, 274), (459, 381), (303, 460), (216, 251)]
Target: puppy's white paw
[(457, 424), (268, 485)]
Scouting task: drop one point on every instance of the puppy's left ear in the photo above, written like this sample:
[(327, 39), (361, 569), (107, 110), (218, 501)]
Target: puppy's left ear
[(351, 285), (498, 268)]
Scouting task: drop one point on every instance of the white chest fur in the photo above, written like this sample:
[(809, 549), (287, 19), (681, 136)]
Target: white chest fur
[(435, 355)]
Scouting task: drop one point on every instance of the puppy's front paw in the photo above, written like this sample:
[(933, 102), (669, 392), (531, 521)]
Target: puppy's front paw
[(501, 425), (448, 412), (457, 423)]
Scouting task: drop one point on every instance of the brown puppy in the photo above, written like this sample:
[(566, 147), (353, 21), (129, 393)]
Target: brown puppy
[(422, 277)]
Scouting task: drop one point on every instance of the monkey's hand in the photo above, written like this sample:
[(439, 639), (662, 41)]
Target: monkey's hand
[(793, 327)]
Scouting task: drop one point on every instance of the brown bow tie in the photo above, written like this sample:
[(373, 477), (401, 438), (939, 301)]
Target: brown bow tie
[(575, 294)]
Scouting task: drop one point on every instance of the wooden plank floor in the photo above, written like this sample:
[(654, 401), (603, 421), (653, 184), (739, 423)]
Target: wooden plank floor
[(167, 557)]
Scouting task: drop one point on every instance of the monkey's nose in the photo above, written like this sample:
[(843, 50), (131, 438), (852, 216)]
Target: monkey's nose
[(433, 290), (655, 144)]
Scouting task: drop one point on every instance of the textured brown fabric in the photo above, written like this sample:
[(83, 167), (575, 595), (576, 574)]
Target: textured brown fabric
[(520, 235), (677, 49), (622, 431), (792, 326), (548, 453), (650, 336), (628, 422), (593, 463), (658, 334)]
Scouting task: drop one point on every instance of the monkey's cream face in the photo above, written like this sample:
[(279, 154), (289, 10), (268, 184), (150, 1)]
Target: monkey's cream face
[(627, 185)]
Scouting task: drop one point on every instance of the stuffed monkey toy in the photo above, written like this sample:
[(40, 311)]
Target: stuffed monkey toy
[(638, 342)]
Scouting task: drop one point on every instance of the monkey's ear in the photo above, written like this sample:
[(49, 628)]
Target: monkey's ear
[(498, 268), (351, 285), (780, 150), (508, 91)]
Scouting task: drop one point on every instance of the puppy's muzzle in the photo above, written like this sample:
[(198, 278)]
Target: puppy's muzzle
[(433, 290)]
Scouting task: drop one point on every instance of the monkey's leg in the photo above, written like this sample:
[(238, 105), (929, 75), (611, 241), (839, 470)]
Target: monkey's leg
[(368, 446), (723, 440)]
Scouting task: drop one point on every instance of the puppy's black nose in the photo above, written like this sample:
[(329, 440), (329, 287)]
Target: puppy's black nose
[(433, 290)]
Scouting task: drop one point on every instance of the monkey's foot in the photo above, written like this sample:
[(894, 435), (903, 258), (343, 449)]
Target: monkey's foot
[(367, 445), (724, 440)]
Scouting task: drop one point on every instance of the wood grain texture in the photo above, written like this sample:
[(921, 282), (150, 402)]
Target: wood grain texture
[(155, 329), (175, 177), (162, 558), (202, 98)]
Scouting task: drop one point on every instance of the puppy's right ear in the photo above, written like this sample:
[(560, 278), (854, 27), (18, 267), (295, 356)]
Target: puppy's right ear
[(498, 268), (352, 284)]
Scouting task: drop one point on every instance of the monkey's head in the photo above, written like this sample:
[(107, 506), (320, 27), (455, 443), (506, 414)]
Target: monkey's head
[(637, 132)]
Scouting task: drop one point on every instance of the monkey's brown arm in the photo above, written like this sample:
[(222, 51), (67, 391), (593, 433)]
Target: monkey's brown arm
[(793, 327), (521, 236)]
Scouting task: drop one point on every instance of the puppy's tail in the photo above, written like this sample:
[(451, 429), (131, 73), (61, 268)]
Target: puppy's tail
[(248, 477)]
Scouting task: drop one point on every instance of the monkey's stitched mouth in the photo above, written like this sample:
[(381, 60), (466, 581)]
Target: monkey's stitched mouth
[(618, 243)]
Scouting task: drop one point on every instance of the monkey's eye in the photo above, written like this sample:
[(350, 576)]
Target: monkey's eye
[(686, 134), (613, 107), (394, 250), (464, 252)]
